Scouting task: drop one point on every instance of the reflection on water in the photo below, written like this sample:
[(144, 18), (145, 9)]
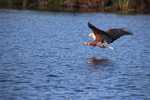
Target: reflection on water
[(41, 57), (98, 61), (99, 64)]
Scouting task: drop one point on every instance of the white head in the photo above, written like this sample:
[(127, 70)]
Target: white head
[(92, 35)]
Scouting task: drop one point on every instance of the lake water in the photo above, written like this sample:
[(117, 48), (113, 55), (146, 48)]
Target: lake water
[(41, 57)]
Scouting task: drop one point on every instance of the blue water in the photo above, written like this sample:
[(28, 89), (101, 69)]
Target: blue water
[(41, 57)]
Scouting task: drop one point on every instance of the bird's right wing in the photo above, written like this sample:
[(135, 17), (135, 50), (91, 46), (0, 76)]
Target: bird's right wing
[(100, 34)]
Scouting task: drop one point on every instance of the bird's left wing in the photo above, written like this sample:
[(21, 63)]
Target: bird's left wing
[(116, 33)]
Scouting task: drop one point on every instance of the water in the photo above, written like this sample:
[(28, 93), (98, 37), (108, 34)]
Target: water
[(41, 57)]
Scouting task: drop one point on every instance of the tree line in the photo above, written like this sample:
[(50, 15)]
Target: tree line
[(142, 6)]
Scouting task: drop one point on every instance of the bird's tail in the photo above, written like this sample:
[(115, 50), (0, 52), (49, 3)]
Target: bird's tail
[(110, 47)]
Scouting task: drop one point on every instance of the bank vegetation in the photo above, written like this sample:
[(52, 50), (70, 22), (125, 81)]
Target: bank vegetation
[(126, 6)]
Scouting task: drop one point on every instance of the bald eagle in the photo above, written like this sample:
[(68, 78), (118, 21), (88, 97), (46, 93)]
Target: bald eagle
[(102, 38)]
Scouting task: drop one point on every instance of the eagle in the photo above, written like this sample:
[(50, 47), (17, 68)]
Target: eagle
[(102, 38)]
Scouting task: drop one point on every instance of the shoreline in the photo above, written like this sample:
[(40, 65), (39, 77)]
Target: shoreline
[(83, 12)]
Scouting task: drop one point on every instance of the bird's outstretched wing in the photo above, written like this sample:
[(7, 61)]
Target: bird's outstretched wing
[(100, 34), (116, 33)]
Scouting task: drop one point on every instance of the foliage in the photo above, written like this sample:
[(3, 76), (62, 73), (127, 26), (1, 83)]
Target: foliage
[(55, 4), (122, 5), (102, 5)]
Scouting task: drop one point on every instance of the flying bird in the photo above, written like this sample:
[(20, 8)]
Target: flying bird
[(102, 38)]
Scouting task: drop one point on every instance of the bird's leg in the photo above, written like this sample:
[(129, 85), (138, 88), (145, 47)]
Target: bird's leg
[(103, 45), (91, 43), (106, 45), (85, 43), (100, 44)]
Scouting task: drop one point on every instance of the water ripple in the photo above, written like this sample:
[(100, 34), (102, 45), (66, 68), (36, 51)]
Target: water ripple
[(41, 57)]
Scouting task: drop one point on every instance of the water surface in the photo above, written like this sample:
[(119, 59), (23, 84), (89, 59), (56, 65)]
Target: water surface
[(41, 57)]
